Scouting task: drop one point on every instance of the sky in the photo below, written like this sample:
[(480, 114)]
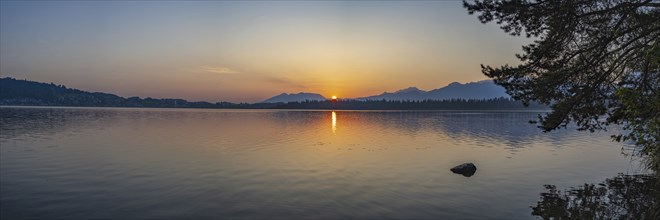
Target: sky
[(248, 51)]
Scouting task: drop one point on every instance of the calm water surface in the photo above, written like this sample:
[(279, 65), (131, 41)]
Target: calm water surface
[(255, 164)]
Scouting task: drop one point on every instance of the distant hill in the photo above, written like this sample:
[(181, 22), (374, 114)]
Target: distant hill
[(30, 93), (299, 97), (485, 89), (411, 93), (13, 91)]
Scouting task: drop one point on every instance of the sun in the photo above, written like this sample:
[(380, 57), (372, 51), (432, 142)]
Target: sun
[(334, 97)]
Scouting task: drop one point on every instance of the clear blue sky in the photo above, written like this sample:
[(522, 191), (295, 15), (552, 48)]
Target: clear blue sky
[(248, 51)]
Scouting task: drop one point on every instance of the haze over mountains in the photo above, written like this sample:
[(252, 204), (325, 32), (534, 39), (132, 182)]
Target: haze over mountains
[(484, 89)]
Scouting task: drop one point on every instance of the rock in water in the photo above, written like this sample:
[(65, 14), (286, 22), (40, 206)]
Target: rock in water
[(466, 169)]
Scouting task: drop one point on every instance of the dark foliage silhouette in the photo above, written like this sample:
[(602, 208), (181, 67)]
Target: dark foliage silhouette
[(621, 197), (590, 60)]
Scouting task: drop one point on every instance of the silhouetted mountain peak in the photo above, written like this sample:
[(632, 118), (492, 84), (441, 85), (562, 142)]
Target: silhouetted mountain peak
[(410, 89), (454, 84), (295, 97)]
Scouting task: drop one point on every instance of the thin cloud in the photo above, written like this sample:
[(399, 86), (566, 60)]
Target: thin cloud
[(284, 81), (218, 70)]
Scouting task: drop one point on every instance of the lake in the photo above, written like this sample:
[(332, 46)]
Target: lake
[(135, 163)]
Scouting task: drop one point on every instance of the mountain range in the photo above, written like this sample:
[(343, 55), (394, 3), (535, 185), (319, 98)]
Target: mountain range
[(23, 92), (484, 89), (14, 92)]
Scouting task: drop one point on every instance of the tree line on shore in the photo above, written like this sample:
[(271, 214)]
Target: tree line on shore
[(14, 92)]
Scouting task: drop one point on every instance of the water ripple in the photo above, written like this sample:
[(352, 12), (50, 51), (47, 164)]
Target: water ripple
[(184, 163)]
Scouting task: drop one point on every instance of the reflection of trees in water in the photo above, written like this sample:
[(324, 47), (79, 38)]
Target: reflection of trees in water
[(301, 119), (621, 197), (509, 128), (506, 128), (46, 122)]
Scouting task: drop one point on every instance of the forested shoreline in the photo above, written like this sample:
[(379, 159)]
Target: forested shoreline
[(14, 92)]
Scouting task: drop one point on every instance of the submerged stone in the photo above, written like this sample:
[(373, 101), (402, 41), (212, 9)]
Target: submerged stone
[(466, 169)]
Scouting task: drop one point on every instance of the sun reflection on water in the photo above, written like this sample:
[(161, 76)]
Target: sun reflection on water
[(334, 122)]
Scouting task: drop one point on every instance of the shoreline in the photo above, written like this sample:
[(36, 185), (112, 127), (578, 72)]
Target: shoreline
[(282, 109)]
